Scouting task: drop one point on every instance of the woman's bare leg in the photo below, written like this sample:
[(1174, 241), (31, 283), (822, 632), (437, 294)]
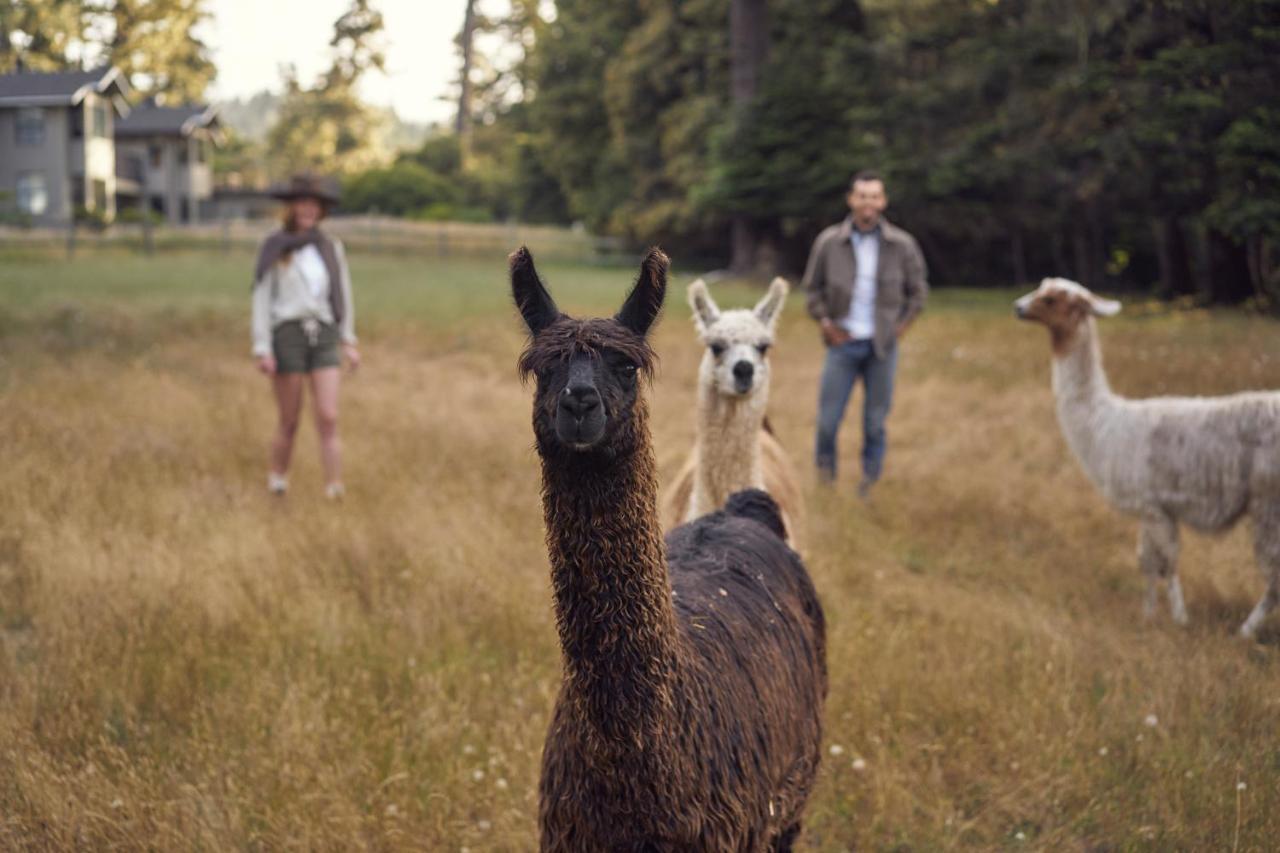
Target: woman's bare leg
[(288, 389), (324, 398)]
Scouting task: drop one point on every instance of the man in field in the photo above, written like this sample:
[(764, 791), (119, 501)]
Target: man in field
[(865, 283)]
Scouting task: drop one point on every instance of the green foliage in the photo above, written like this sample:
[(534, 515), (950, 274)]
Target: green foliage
[(40, 32), (401, 189), (326, 127), (154, 42), (94, 220), (137, 216), (1019, 138)]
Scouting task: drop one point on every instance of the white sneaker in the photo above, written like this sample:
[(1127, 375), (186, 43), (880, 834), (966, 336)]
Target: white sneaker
[(334, 491), (277, 484)]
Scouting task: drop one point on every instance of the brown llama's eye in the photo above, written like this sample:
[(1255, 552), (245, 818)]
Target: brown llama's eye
[(717, 349)]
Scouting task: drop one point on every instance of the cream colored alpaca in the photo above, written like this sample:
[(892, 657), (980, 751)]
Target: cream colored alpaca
[(734, 448), (1200, 461)]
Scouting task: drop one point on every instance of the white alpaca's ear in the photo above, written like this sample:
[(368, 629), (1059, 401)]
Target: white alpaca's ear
[(769, 308), (705, 312), (1103, 307)]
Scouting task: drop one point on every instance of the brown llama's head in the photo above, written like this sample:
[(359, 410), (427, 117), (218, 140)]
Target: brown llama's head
[(587, 371), (1063, 306)]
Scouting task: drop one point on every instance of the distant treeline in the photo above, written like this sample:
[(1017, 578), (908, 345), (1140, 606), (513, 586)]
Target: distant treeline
[(1128, 144)]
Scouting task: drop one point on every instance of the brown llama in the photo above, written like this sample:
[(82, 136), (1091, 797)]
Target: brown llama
[(690, 711)]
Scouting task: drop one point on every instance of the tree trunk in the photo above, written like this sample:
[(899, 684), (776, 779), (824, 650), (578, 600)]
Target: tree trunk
[(1229, 279), (466, 44), (1097, 246), (1080, 255), (748, 47), (1171, 253), (1059, 256), (1018, 254)]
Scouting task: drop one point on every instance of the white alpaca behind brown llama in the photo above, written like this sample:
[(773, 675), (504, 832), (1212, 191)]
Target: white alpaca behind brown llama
[(734, 448)]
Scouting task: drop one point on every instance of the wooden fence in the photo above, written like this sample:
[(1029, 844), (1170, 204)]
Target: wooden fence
[(358, 233)]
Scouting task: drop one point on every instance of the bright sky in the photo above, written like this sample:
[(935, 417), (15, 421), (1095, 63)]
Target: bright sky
[(252, 39)]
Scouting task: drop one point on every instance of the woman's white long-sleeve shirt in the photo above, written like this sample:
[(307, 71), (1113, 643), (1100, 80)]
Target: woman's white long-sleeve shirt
[(298, 289)]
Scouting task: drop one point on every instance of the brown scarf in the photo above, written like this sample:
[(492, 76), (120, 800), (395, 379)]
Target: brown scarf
[(281, 244)]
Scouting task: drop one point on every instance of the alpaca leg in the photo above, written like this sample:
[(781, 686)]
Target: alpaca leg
[(1158, 557), (1266, 547), (1177, 606)]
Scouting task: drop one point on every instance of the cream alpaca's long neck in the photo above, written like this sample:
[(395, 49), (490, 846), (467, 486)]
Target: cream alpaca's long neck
[(728, 447), (1084, 398)]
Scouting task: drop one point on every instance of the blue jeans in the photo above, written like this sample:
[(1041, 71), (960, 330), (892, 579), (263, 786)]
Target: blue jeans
[(845, 363)]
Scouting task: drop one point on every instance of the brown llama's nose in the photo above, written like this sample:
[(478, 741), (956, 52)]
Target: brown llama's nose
[(580, 401)]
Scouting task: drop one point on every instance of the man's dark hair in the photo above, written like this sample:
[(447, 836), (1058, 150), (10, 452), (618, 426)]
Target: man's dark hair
[(865, 175)]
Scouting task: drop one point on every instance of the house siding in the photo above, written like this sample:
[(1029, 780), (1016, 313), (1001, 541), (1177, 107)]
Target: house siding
[(52, 158)]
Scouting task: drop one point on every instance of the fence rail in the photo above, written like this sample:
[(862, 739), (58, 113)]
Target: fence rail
[(358, 233)]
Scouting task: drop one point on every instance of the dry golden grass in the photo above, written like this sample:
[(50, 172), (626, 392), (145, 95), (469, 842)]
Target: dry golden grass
[(188, 664)]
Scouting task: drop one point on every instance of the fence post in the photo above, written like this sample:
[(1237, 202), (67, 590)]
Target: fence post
[(71, 237), (226, 234), (148, 232)]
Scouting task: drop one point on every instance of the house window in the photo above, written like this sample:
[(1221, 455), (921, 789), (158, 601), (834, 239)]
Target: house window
[(29, 127), (77, 122), (33, 195), (153, 155), (182, 155)]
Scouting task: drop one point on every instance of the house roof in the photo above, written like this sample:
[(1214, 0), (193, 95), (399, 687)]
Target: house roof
[(60, 88), (147, 119)]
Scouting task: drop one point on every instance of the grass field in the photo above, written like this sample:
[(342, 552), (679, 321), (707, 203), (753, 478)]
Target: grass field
[(186, 664)]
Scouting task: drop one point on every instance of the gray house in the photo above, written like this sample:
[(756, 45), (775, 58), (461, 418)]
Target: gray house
[(163, 160), (57, 142)]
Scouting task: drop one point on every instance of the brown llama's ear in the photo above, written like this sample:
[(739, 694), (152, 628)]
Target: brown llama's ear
[(535, 303), (645, 300)]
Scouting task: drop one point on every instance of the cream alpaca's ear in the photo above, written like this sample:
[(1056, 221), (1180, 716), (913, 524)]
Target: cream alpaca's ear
[(705, 312), (1103, 307), (769, 308)]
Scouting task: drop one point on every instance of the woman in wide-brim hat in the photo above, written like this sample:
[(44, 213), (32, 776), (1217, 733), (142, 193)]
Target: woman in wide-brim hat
[(304, 324)]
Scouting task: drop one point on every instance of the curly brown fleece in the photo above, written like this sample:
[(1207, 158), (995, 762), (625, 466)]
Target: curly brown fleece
[(689, 716)]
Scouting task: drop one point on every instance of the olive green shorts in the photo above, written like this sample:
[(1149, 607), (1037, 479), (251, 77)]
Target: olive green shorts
[(298, 352)]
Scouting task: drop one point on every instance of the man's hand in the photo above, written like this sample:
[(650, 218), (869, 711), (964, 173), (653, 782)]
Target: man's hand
[(832, 335), (902, 329), (267, 364)]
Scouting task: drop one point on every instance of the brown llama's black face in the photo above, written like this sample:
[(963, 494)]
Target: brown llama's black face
[(587, 371)]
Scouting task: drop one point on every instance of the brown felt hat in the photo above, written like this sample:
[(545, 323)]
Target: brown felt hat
[(307, 185)]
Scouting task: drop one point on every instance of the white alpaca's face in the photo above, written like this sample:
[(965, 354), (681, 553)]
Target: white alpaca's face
[(1062, 305), (736, 360)]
